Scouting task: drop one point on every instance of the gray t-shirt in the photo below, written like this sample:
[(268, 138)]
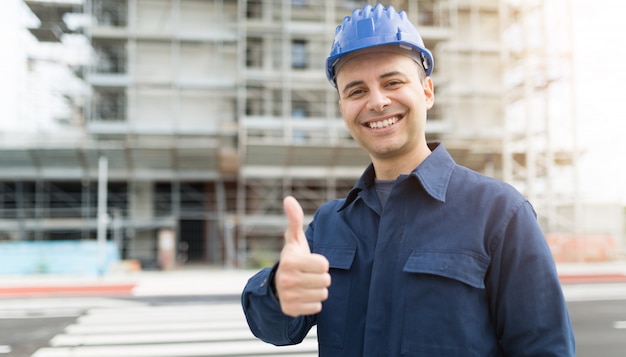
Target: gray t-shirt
[(383, 189)]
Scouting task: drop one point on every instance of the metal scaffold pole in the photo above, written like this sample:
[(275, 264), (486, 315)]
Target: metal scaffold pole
[(103, 165)]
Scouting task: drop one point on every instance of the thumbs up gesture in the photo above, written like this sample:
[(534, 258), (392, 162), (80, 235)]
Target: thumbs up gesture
[(302, 278)]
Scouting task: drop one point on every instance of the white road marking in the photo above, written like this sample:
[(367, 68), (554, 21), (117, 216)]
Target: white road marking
[(153, 337), (56, 307), (167, 331), (205, 349), (594, 292), (4, 349), (85, 329), (40, 314)]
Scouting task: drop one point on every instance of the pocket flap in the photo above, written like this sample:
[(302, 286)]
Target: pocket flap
[(338, 257), (462, 265)]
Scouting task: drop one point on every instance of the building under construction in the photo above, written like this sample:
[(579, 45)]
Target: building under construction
[(208, 112)]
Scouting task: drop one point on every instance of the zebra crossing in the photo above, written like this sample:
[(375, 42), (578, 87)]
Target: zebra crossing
[(172, 330)]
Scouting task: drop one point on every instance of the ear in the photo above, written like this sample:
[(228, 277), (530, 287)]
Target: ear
[(429, 92)]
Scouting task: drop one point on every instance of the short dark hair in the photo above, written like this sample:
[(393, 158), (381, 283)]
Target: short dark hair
[(421, 72)]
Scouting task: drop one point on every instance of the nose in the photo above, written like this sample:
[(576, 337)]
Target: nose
[(378, 101)]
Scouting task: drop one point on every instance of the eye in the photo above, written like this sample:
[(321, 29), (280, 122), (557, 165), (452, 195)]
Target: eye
[(355, 93), (393, 83)]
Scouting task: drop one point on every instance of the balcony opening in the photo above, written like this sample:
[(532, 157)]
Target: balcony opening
[(109, 105), (112, 13), (298, 54)]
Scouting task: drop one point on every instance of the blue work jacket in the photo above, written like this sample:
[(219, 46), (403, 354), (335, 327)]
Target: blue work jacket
[(454, 265)]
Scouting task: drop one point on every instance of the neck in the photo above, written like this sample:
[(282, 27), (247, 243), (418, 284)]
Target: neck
[(391, 168)]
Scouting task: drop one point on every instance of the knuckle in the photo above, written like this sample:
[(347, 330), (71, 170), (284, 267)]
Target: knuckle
[(327, 280), (288, 296), (316, 307), (283, 280), (288, 310), (324, 295)]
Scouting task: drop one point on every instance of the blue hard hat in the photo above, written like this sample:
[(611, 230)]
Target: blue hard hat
[(375, 27)]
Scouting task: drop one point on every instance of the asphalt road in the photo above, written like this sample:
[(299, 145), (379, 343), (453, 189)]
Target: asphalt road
[(28, 324), (24, 336), (600, 325)]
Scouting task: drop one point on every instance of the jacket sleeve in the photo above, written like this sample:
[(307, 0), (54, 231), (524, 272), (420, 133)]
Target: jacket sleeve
[(264, 316), (528, 306)]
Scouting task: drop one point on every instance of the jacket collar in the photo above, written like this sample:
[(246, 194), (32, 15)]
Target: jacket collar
[(433, 174)]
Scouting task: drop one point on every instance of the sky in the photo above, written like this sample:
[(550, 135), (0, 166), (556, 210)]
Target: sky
[(21, 92), (9, 60), (600, 56), (600, 77)]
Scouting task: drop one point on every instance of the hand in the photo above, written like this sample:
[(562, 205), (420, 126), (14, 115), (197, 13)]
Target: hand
[(302, 278)]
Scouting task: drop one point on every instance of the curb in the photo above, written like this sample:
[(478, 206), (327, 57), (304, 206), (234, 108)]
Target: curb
[(67, 290), (88, 289), (592, 278)]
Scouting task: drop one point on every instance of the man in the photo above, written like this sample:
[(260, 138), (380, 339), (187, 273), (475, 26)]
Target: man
[(423, 257)]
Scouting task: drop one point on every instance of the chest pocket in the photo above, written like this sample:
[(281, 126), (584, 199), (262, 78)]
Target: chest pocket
[(462, 265), (448, 314), (338, 257), (332, 319)]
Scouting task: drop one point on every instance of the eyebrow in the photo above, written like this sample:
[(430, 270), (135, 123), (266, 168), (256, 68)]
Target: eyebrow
[(359, 82)]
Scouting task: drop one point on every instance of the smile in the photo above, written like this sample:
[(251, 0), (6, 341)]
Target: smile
[(382, 123)]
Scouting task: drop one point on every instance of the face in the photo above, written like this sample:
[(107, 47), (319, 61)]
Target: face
[(383, 103)]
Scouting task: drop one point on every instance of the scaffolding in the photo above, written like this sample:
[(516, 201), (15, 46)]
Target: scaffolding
[(211, 111), (541, 143)]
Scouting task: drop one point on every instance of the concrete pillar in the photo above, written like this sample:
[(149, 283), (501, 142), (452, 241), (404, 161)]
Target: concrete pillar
[(141, 212)]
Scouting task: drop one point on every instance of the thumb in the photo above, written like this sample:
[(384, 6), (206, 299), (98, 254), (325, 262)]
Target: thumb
[(294, 233)]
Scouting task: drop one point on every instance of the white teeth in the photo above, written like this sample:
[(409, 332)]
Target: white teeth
[(383, 123)]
